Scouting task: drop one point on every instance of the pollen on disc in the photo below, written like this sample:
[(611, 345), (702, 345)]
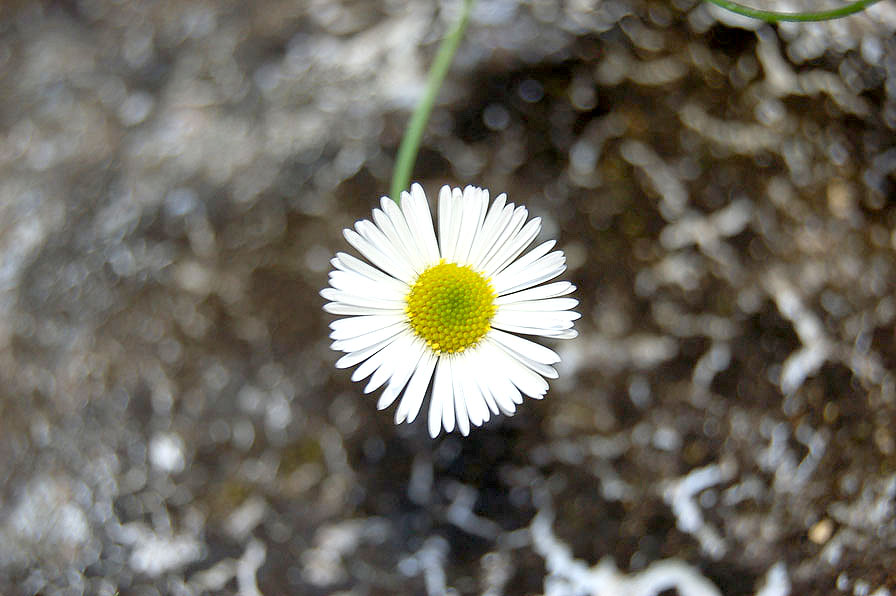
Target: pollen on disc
[(450, 307)]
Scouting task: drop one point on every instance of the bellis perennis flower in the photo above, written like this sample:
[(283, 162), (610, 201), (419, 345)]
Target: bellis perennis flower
[(449, 312)]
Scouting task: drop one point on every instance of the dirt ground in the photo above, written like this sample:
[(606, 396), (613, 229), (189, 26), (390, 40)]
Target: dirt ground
[(175, 176)]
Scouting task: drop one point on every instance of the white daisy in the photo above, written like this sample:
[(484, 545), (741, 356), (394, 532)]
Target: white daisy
[(445, 312)]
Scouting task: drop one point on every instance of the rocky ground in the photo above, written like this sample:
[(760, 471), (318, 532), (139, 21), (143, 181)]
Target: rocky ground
[(174, 177)]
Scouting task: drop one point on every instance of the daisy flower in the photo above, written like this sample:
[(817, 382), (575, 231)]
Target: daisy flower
[(449, 312)]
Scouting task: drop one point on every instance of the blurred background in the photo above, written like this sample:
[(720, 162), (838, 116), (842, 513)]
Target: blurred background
[(175, 176)]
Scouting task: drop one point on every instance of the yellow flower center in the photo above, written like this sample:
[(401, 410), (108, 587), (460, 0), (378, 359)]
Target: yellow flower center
[(450, 307)]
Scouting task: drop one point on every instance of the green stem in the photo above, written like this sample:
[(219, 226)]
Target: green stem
[(774, 17), (410, 144)]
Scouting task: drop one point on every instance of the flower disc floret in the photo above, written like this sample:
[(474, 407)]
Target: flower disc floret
[(450, 307)]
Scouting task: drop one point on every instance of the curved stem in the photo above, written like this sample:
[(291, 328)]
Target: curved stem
[(774, 17), (410, 144)]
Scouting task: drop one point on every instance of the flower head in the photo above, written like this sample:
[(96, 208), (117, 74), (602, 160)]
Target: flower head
[(449, 311)]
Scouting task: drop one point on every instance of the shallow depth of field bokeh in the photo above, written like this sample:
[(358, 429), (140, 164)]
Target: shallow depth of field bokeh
[(175, 176)]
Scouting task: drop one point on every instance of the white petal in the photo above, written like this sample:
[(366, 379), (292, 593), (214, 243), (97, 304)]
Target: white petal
[(525, 267), (347, 262), (476, 406), (533, 255), (412, 246), (452, 239), (378, 238), (334, 295), (402, 245), (460, 401), (512, 249), (348, 281), (403, 371), (541, 369), (555, 333), (356, 326), (395, 355), (385, 370), (353, 358), (474, 205), (355, 284), (489, 399), (496, 228), (373, 363), (446, 215), (506, 236), (550, 321), (467, 209), (368, 339), (480, 375), (506, 395), (504, 392), (545, 305), (387, 397), (529, 382), (531, 260), (547, 268), (489, 232), (567, 334), (534, 279), (413, 396), (476, 402), (527, 348), (448, 399), (398, 269), (340, 308), (416, 211), (559, 288), (441, 397)]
